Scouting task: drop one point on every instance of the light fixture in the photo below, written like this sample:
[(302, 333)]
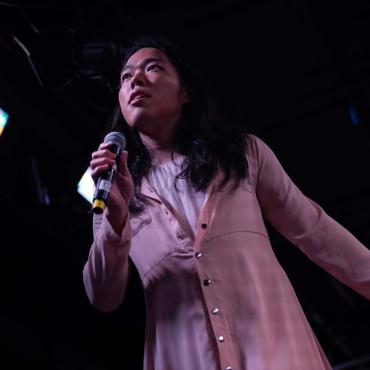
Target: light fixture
[(3, 120), (86, 186)]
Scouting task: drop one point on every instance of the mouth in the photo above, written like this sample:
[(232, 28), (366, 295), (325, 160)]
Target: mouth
[(138, 97)]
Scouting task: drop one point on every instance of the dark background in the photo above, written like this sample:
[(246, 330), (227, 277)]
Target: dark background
[(296, 73)]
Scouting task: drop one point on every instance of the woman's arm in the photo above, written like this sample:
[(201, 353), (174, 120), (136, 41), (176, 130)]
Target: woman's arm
[(305, 224), (106, 271)]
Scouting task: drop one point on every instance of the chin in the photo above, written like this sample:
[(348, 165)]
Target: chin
[(140, 118), (141, 125)]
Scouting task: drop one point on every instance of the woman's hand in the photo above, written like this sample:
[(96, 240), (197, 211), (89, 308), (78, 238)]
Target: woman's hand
[(122, 188)]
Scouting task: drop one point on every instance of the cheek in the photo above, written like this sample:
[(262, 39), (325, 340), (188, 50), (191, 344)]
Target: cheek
[(122, 98), (172, 93)]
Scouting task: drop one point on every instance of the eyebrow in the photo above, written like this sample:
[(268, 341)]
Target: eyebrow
[(144, 62)]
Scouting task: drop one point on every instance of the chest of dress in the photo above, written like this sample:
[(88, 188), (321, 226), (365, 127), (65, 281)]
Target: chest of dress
[(157, 235)]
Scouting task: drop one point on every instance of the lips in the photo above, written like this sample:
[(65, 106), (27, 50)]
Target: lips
[(137, 95)]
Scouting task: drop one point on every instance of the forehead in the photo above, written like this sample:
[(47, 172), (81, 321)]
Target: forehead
[(144, 54)]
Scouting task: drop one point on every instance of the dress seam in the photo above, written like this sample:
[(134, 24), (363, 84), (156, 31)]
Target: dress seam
[(234, 232), (158, 262)]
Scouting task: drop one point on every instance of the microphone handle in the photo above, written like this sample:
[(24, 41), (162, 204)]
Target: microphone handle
[(104, 184)]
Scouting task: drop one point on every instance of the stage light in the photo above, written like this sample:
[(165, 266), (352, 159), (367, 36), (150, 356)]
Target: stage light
[(353, 114), (3, 120), (86, 186)]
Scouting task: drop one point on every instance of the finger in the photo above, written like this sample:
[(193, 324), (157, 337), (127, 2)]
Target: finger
[(101, 161), (104, 146), (103, 153), (97, 171), (123, 166)]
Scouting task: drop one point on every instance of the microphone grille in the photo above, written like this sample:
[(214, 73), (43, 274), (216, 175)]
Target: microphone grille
[(117, 138)]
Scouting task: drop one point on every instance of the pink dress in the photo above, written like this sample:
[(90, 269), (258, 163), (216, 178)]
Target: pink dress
[(221, 301)]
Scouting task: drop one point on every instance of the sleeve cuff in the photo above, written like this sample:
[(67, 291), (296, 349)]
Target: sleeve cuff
[(108, 233)]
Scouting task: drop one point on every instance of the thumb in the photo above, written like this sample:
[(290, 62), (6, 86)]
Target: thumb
[(122, 163)]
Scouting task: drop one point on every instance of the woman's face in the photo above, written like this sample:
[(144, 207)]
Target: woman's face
[(151, 95)]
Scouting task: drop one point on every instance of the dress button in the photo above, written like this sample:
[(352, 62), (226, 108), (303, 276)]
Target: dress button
[(204, 225), (198, 254), (207, 282), (221, 338), (215, 311)]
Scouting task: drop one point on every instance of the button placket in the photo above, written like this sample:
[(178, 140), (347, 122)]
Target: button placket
[(217, 320), (218, 323), (209, 291), (180, 234)]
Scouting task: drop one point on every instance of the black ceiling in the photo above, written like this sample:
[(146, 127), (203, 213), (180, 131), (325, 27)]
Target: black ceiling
[(292, 71)]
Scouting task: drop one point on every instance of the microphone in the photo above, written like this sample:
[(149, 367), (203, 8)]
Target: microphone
[(104, 184)]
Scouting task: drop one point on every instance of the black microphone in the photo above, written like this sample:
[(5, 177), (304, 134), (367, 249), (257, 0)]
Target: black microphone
[(104, 184)]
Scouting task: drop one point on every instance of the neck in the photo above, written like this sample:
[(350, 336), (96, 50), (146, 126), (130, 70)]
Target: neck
[(159, 144), (154, 143), (159, 151), (159, 133), (161, 155)]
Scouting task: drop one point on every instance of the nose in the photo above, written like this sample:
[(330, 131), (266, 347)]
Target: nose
[(138, 78)]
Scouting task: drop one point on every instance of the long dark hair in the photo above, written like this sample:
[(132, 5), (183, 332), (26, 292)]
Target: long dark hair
[(207, 142)]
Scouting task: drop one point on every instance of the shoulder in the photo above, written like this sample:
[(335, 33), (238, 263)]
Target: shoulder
[(262, 160), (256, 148)]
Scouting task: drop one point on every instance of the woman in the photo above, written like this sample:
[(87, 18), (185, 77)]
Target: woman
[(187, 208)]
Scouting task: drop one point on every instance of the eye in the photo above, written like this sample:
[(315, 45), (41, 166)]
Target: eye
[(152, 67), (125, 76)]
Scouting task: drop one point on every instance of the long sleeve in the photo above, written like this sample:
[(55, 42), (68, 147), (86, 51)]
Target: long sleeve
[(305, 224), (106, 271)]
